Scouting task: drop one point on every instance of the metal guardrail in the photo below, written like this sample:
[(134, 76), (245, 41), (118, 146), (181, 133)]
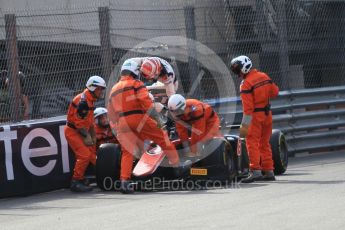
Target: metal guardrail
[(311, 119)]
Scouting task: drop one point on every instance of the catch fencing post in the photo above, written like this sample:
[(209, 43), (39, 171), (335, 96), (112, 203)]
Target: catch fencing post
[(283, 43), (193, 68), (104, 29), (12, 66)]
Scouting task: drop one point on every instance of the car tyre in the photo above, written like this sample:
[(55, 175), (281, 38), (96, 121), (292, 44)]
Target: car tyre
[(108, 166)]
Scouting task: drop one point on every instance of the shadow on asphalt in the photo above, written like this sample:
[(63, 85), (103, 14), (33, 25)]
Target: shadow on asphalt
[(294, 174), (328, 182), (28, 202)]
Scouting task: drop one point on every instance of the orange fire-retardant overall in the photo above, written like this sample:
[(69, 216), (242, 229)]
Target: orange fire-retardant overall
[(128, 103), (256, 90), (201, 119), (83, 154), (104, 135)]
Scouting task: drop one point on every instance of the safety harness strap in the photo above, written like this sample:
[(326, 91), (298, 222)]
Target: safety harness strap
[(265, 109), (126, 89), (131, 112), (257, 85)]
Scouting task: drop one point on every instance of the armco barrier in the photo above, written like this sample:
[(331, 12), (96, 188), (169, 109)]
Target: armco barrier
[(34, 157), (311, 119)]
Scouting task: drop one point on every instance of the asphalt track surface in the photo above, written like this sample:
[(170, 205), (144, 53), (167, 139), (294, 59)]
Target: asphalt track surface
[(310, 196)]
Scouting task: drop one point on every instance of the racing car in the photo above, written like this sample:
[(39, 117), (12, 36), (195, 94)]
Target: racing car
[(221, 159)]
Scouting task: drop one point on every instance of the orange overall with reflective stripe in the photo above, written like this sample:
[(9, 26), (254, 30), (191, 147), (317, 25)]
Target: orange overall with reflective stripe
[(127, 110), (83, 154), (256, 91), (201, 120)]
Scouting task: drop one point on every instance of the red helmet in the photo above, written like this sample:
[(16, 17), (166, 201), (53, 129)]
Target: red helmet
[(150, 68)]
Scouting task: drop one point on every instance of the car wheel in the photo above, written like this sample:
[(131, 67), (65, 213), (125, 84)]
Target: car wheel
[(280, 153), (108, 166), (213, 152), (245, 157), (242, 167), (230, 160), (219, 154)]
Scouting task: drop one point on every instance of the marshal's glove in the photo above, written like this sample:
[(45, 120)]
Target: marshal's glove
[(93, 134), (157, 117), (243, 130), (88, 140)]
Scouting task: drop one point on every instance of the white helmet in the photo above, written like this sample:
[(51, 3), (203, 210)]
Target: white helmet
[(99, 111), (176, 103), (131, 65), (241, 64), (94, 82)]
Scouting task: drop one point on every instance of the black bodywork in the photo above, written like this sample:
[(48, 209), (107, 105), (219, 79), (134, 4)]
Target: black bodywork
[(218, 162)]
